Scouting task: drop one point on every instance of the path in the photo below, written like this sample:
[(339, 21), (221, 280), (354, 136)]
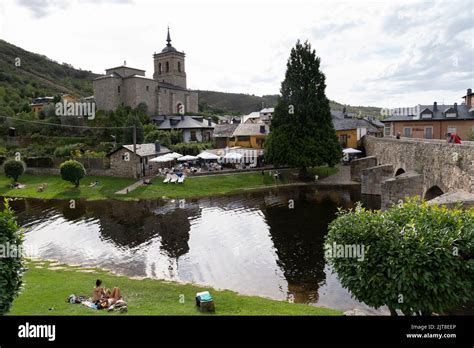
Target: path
[(342, 177), (131, 187)]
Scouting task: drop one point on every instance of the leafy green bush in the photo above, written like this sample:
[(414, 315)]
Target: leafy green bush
[(162, 136), (11, 267), (72, 171), (68, 150), (176, 136), (418, 258), (470, 135), (14, 169)]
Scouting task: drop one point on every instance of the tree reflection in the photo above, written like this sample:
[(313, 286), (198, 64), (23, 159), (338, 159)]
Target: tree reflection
[(298, 236)]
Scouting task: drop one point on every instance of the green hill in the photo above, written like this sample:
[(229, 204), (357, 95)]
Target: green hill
[(25, 75), (38, 75), (222, 103)]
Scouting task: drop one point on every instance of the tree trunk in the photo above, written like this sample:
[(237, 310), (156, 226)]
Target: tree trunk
[(393, 312), (304, 175)]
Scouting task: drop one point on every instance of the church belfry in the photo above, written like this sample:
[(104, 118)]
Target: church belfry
[(169, 65)]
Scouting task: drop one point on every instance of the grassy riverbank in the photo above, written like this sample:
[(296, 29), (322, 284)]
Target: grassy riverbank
[(108, 186), (47, 287)]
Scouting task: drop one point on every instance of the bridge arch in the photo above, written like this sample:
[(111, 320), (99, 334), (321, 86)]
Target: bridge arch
[(399, 171), (433, 192)]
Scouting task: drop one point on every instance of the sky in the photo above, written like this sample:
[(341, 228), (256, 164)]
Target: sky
[(378, 53)]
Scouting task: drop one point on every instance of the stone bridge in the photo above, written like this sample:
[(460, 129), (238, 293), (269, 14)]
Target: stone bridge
[(397, 168)]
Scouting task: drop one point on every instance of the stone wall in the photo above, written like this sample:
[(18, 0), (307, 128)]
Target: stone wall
[(357, 165), (398, 188), (448, 166), (141, 90), (120, 167), (372, 178), (106, 93)]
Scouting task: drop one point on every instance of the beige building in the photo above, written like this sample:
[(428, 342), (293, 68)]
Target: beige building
[(433, 121), (164, 94), (126, 163)]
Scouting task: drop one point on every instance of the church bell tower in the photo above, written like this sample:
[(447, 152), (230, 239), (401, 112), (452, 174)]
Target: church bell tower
[(169, 65)]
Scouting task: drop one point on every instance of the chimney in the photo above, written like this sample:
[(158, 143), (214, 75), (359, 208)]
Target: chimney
[(469, 99), (435, 106), (456, 106), (262, 129), (209, 122), (157, 147)]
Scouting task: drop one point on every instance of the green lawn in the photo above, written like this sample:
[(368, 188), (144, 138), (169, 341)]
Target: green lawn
[(192, 187), (46, 291), (60, 189)]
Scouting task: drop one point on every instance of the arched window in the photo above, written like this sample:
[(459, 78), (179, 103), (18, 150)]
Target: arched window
[(160, 69), (433, 192), (179, 66), (180, 109), (167, 66), (400, 171)]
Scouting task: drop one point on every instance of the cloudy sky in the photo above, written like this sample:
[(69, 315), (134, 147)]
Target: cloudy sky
[(381, 53)]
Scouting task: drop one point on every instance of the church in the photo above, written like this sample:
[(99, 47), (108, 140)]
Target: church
[(165, 94)]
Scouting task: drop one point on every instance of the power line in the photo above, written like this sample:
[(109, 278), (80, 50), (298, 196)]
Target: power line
[(62, 125)]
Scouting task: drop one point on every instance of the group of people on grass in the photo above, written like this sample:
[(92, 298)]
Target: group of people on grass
[(104, 298)]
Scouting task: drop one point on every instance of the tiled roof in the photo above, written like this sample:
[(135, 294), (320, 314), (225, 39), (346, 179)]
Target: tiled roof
[(247, 129), (187, 122), (463, 114), (224, 130), (144, 150), (352, 123)]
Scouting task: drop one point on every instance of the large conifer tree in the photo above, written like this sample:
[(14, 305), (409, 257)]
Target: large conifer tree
[(302, 134)]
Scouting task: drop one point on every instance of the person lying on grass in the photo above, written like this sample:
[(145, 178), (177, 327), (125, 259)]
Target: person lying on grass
[(104, 297)]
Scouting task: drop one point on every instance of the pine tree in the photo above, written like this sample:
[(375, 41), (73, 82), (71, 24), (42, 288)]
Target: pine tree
[(301, 133)]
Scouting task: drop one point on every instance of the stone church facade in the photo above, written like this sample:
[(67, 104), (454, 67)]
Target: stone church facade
[(165, 94)]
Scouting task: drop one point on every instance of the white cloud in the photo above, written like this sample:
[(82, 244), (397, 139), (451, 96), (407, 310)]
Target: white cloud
[(373, 53)]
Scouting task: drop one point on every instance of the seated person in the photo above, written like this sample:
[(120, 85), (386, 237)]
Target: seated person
[(104, 297), (98, 291)]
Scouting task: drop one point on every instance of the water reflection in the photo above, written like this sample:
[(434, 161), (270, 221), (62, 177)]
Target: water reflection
[(261, 243)]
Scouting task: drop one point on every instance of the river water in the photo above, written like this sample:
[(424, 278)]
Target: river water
[(254, 243)]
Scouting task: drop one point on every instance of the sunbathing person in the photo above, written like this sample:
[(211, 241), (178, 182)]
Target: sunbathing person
[(104, 297), (110, 298)]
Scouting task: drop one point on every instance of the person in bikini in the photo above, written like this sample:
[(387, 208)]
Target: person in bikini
[(104, 297)]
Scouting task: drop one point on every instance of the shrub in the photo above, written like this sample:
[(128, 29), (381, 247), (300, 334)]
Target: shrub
[(12, 267), (162, 136), (470, 135), (72, 171), (418, 257), (14, 169), (68, 150)]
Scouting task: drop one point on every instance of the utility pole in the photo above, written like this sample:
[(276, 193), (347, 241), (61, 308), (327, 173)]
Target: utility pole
[(135, 139)]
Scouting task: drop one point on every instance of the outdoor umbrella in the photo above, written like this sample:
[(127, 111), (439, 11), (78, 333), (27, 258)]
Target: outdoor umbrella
[(208, 156), (187, 158), (161, 159), (351, 150), (233, 157), (174, 155)]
